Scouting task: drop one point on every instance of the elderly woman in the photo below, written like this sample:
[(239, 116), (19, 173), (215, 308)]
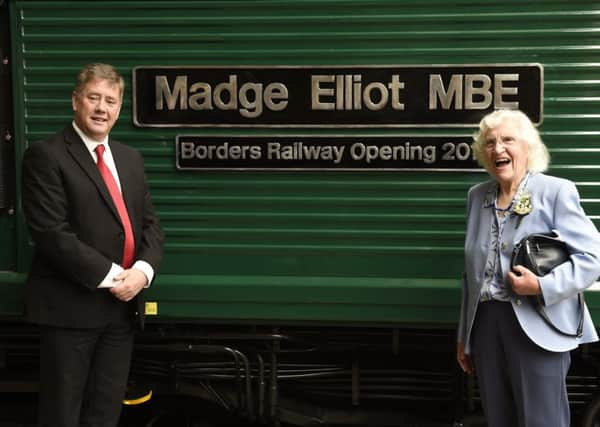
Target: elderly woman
[(521, 361)]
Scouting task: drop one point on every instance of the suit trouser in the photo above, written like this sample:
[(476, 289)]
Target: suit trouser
[(520, 383), (83, 375)]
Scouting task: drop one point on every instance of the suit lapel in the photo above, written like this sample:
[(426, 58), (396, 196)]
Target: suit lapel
[(513, 226), (80, 153), (487, 216)]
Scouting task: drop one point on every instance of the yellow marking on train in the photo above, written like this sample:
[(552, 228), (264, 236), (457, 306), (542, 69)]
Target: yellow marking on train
[(151, 308)]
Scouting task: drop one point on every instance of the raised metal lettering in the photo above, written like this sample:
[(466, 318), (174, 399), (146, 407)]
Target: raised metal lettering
[(477, 85), (162, 90), (454, 92), (500, 90), (317, 91)]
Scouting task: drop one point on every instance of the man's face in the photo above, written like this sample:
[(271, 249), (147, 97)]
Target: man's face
[(97, 108)]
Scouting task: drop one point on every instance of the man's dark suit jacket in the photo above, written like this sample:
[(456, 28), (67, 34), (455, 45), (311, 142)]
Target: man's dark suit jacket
[(77, 231)]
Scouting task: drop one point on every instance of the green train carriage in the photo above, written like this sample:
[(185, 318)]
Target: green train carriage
[(299, 296)]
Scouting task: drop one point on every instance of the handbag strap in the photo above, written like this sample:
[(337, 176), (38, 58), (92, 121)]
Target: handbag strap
[(539, 306)]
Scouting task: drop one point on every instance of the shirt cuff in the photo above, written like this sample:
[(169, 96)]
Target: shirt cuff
[(145, 268), (108, 281)]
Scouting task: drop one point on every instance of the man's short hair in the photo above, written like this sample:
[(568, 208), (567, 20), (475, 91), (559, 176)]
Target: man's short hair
[(99, 71)]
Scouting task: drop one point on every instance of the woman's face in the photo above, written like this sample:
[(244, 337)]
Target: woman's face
[(506, 154)]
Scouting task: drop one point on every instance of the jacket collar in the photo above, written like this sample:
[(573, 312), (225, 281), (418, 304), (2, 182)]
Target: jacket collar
[(80, 153), (489, 201)]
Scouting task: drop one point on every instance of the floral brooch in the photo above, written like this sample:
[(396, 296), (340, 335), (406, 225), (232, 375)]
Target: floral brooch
[(523, 204)]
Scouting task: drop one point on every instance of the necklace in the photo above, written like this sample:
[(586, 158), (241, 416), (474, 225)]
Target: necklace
[(502, 212)]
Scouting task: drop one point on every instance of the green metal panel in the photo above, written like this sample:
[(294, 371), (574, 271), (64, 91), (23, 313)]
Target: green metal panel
[(351, 246)]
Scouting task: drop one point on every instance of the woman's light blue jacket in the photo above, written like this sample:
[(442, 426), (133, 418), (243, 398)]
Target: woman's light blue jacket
[(555, 206)]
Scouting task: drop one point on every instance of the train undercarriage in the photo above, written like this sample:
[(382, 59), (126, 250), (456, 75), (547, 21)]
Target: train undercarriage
[(298, 375)]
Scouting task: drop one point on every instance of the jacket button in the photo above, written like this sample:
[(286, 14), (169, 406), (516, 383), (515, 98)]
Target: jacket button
[(503, 246), (519, 302)]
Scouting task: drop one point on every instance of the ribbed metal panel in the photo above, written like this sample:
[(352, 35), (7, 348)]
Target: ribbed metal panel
[(346, 224)]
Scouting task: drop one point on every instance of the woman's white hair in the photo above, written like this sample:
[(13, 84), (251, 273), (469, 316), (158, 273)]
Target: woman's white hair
[(538, 157)]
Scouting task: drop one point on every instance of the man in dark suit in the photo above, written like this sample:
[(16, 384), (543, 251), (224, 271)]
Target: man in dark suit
[(98, 244)]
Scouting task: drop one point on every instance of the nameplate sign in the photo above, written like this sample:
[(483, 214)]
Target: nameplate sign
[(325, 152), (333, 96)]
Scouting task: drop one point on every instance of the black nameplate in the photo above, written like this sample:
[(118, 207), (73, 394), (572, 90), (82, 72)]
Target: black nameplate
[(332, 96), (324, 153)]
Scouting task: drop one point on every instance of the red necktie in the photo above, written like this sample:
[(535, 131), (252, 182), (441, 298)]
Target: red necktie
[(111, 184)]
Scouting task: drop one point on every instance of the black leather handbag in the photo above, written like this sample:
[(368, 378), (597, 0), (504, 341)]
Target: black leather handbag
[(540, 253)]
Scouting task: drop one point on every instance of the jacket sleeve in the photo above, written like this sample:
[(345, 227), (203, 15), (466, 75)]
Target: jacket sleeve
[(583, 240), (151, 246), (461, 333), (462, 330)]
